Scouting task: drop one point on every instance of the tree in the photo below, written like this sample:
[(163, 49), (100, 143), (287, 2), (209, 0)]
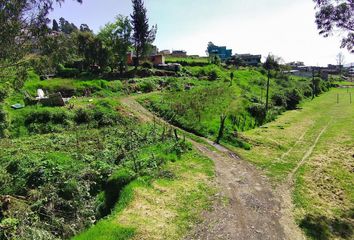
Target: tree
[(85, 28), (340, 61), (67, 27), (92, 50), (22, 24), (55, 26), (116, 37), (271, 63), (143, 35), (334, 15)]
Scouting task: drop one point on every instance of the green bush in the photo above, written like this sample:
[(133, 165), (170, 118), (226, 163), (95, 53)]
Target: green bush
[(213, 75), (115, 86), (67, 72), (294, 97), (257, 111), (68, 190), (147, 65), (279, 99), (146, 86), (3, 93), (3, 121), (38, 116), (82, 116)]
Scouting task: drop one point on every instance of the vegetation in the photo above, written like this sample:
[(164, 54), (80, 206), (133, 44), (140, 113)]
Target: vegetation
[(198, 109), (333, 15), (86, 169), (323, 195)]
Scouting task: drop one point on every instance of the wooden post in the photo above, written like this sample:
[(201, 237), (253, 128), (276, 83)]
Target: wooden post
[(176, 135), (221, 129)]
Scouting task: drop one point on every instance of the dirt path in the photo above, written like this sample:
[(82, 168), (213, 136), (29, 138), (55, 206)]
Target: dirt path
[(246, 207)]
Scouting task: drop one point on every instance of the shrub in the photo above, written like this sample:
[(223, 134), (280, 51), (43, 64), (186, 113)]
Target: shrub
[(147, 65), (82, 116), (257, 111), (68, 190), (3, 121), (3, 93), (293, 99), (147, 86), (115, 86), (38, 116), (67, 72), (213, 75), (279, 99)]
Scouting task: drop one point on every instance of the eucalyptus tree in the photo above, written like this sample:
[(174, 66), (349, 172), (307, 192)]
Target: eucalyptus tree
[(336, 16), (22, 24)]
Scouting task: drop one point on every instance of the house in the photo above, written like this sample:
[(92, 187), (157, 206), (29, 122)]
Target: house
[(295, 65), (157, 59), (249, 59), (222, 51), (179, 53), (165, 52)]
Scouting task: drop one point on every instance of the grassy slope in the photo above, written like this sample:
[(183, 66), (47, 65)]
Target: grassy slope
[(324, 195), (163, 208)]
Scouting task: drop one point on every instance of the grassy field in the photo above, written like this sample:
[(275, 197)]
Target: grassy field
[(317, 140), (164, 208)]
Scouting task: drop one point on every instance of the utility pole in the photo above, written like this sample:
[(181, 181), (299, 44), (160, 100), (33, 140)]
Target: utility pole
[(267, 98), (313, 83)]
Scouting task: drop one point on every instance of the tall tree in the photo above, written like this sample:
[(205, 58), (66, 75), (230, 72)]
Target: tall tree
[(55, 26), (143, 35), (336, 15), (271, 63), (22, 23), (67, 27), (85, 28), (116, 37)]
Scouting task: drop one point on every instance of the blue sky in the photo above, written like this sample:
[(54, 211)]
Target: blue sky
[(285, 28)]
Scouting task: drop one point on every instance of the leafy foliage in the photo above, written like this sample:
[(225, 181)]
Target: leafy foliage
[(334, 15)]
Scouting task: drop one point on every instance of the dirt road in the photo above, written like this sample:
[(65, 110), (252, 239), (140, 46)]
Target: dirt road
[(247, 207)]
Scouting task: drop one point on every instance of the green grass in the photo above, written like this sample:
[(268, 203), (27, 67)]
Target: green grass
[(344, 83), (323, 195), (188, 59), (198, 110), (168, 212), (72, 86)]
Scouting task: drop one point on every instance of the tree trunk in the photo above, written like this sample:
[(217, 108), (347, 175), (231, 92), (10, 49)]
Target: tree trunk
[(221, 129)]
